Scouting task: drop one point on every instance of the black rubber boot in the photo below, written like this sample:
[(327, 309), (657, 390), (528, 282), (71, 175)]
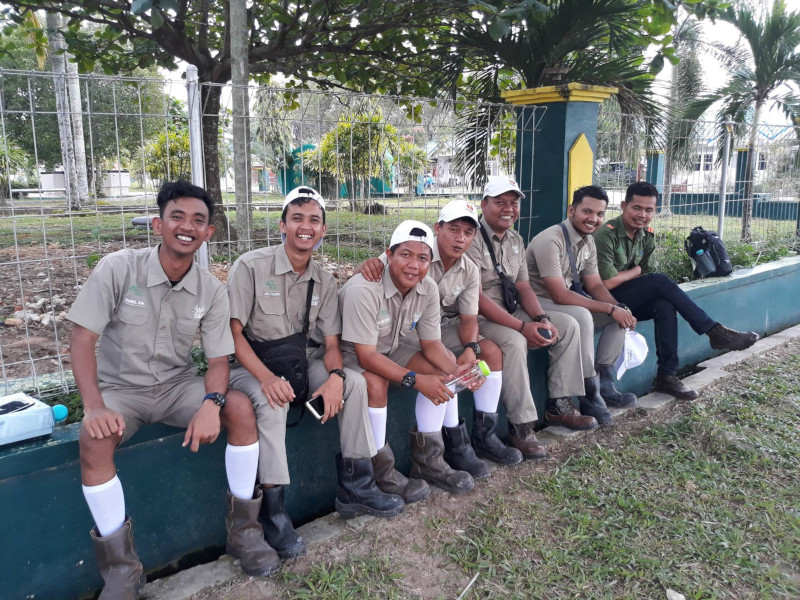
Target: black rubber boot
[(358, 493), (278, 529), (458, 452), (486, 443), (592, 404), (427, 463), (608, 390)]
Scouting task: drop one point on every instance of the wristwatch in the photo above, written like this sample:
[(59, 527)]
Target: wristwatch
[(541, 317), (475, 347), (409, 381), (624, 306), (338, 372), (216, 398)]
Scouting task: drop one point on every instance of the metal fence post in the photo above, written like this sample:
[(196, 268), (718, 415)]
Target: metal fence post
[(196, 144), (726, 150)]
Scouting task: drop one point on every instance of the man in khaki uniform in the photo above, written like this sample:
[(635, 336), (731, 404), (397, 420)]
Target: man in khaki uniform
[(459, 282), (520, 329), (551, 278), (391, 331), (148, 305), (268, 289)]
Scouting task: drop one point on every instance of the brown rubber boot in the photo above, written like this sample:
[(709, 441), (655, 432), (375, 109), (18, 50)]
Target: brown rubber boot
[(561, 411), (246, 537), (524, 439), (427, 462), (723, 338), (119, 564), (392, 481)]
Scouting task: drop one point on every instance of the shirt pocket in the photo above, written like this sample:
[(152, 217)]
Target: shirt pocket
[(188, 326), (271, 305), (132, 315)]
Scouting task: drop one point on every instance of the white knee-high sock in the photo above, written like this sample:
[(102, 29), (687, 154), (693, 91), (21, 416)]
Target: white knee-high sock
[(451, 412), (487, 397), (429, 416), (107, 505), (377, 419), (241, 464)]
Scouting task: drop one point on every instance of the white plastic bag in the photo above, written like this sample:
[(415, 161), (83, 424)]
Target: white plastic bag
[(633, 352)]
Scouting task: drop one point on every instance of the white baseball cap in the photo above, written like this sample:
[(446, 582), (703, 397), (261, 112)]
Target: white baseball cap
[(402, 233), (304, 191), (634, 351), (457, 209), (500, 184)]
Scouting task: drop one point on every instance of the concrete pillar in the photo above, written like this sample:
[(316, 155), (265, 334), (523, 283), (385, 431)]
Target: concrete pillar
[(550, 155)]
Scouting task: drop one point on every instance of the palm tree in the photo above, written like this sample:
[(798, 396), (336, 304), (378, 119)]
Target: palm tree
[(772, 47)]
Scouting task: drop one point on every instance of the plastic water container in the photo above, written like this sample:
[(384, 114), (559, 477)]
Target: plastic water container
[(704, 263), (479, 370)]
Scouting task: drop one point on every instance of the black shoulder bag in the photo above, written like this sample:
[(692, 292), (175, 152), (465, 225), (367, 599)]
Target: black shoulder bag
[(576, 280), (286, 358), (510, 291)]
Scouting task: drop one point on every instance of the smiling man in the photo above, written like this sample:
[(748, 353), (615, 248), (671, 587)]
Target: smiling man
[(146, 306), (626, 262), (391, 332), (551, 255), (271, 291)]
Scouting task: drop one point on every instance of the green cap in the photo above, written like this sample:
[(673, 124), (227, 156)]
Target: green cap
[(484, 368)]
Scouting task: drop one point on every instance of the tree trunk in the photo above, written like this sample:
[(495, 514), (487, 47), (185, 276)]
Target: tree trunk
[(241, 131), (749, 177), (209, 106), (56, 58), (76, 112)]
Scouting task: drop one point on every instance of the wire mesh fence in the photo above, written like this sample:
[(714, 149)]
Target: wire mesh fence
[(378, 160)]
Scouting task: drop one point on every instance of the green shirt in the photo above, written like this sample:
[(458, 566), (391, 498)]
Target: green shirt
[(617, 252)]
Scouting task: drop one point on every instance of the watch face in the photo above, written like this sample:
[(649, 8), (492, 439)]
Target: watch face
[(409, 380)]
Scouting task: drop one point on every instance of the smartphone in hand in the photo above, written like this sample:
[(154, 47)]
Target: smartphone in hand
[(316, 407)]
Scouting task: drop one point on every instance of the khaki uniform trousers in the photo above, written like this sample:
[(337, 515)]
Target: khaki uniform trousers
[(612, 338), (563, 376), (355, 432)]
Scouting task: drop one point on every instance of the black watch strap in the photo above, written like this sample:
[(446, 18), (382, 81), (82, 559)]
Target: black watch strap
[(541, 317), (338, 372), (216, 398), (409, 381), (475, 347)]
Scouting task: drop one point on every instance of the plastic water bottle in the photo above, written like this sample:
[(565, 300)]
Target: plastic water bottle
[(704, 263), (479, 370)]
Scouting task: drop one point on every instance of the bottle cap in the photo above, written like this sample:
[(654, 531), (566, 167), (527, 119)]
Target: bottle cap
[(484, 368), (60, 413)]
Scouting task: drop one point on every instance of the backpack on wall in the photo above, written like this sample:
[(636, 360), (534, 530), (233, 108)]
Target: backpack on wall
[(708, 254)]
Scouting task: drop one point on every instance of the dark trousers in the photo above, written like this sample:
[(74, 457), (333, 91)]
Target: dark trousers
[(655, 296)]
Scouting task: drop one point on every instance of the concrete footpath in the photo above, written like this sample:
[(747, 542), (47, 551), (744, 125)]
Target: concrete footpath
[(186, 583)]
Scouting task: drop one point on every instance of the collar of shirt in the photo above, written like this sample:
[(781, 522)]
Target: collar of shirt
[(283, 265), (157, 276), (389, 288), (576, 239), (489, 230), (459, 264)]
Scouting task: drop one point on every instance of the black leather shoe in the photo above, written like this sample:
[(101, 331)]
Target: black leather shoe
[(592, 402), (486, 443), (722, 338), (278, 529), (358, 493), (459, 454), (669, 384)]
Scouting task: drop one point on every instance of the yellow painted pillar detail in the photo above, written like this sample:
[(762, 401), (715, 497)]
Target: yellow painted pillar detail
[(581, 166)]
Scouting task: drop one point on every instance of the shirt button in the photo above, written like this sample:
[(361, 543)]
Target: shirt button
[(157, 356)]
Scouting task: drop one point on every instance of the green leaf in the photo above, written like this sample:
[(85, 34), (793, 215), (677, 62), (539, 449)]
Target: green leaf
[(168, 5), (498, 28), (156, 19), (139, 7)]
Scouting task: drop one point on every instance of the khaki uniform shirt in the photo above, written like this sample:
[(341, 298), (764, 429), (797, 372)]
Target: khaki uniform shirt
[(376, 314), (510, 253), (148, 326), (548, 257), (269, 298), (617, 252), (459, 287)]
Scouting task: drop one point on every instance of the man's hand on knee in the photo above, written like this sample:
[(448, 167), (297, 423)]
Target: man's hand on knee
[(103, 423)]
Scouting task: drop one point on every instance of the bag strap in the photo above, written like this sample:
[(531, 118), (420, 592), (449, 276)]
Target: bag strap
[(306, 325), (486, 239), (572, 265)]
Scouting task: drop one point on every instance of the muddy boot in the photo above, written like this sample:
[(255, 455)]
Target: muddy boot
[(486, 443), (118, 563), (427, 462), (277, 524), (561, 411), (458, 452), (523, 438), (608, 390), (722, 338), (358, 493), (592, 404), (246, 537), (392, 481), (669, 384)]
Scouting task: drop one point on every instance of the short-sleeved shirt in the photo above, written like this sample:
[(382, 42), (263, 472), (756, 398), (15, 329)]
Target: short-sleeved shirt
[(269, 297), (147, 325), (510, 253), (617, 252), (548, 256), (376, 314), (459, 286)]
